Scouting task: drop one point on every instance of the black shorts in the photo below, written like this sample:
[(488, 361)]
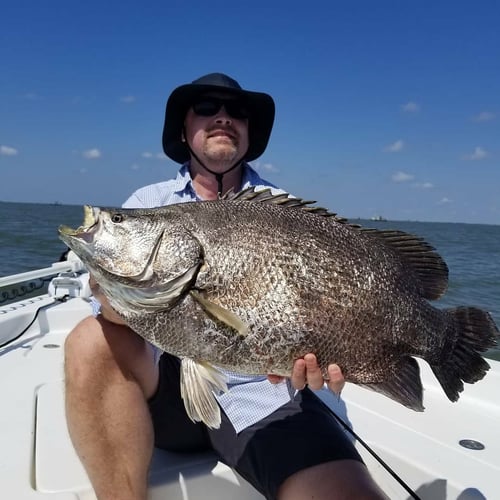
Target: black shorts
[(298, 435)]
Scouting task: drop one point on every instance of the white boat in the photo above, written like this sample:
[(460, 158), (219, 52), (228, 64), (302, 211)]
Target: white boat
[(450, 451)]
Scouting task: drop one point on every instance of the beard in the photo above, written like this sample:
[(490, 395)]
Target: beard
[(221, 148)]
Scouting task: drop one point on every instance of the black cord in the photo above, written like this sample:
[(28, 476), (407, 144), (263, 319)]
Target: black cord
[(370, 450), (62, 299), (218, 176)]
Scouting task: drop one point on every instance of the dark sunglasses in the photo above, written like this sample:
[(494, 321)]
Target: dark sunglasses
[(210, 106)]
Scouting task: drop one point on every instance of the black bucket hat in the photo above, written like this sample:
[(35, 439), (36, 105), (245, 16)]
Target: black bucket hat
[(260, 122)]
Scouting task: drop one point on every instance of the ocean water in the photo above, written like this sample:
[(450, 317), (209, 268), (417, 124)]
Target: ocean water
[(29, 240)]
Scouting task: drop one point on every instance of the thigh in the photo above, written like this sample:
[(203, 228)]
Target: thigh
[(299, 435)]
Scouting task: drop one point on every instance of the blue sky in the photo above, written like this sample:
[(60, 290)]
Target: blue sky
[(383, 107)]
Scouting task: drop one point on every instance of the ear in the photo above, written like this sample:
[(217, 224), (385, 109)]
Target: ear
[(183, 136)]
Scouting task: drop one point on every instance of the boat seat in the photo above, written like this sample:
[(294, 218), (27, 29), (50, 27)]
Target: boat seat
[(172, 475)]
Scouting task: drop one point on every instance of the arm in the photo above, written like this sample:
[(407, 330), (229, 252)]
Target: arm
[(107, 311)]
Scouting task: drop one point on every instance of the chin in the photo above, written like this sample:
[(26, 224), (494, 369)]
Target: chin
[(222, 154)]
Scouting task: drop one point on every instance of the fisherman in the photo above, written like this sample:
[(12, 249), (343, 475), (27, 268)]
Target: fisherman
[(122, 394)]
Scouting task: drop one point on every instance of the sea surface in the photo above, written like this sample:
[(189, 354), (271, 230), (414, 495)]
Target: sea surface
[(29, 240)]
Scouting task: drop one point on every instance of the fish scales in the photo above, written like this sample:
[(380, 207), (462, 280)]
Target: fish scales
[(282, 285), (253, 284)]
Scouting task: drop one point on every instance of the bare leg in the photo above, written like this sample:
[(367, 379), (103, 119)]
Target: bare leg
[(339, 480), (110, 372)]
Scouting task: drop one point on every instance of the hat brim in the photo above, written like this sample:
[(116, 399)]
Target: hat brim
[(261, 107)]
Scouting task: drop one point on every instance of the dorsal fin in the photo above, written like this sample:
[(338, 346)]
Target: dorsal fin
[(427, 264), (429, 267), (282, 199)]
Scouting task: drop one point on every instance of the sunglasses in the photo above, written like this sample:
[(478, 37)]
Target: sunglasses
[(210, 106)]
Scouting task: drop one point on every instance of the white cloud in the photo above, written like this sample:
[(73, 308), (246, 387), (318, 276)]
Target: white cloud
[(8, 151), (395, 147), (92, 154), (265, 167), (424, 185), (478, 154), (410, 107), (444, 201), (128, 99), (402, 177), (484, 116), (135, 166), (158, 156)]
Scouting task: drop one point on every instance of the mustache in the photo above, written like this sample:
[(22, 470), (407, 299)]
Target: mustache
[(223, 128)]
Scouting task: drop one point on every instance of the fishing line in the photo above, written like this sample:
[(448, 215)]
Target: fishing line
[(373, 453), (37, 312)]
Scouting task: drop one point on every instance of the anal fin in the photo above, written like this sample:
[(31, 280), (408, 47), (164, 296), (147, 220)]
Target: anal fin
[(198, 381), (404, 386)]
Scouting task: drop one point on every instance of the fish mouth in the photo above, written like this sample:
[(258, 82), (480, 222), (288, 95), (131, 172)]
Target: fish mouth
[(83, 241), (86, 230)]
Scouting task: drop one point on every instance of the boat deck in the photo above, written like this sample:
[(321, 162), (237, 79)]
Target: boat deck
[(37, 459)]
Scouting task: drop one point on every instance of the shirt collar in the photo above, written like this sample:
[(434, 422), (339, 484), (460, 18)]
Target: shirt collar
[(184, 184)]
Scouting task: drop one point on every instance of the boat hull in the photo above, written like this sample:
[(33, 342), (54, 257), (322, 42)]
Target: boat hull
[(37, 459)]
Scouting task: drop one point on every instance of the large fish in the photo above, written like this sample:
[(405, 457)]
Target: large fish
[(255, 281)]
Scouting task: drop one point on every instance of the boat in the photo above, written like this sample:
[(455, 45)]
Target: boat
[(449, 451)]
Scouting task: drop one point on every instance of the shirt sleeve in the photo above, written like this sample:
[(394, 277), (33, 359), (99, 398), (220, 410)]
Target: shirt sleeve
[(134, 201)]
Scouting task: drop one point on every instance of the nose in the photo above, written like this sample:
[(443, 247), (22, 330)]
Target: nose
[(223, 116)]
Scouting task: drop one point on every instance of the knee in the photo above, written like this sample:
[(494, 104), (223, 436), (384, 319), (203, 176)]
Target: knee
[(97, 351), (95, 345), (342, 479)]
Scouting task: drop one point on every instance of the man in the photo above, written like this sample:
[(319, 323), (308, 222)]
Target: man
[(121, 401)]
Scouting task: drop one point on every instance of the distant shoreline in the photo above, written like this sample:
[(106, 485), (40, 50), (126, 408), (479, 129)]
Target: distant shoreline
[(385, 222)]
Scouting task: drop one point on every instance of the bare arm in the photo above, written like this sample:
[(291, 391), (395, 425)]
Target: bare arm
[(107, 311)]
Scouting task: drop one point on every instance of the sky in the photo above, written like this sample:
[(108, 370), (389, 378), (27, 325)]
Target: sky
[(387, 108)]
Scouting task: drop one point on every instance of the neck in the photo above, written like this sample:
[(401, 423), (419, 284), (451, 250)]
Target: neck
[(205, 184)]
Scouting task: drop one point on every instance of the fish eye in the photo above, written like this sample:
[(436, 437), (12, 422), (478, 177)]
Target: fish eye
[(117, 218)]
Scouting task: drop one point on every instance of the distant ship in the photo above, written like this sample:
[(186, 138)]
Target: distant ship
[(378, 218)]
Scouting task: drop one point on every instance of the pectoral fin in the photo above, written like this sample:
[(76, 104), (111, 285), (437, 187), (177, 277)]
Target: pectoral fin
[(225, 316), (198, 381)]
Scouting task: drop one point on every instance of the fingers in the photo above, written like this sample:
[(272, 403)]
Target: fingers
[(275, 379), (306, 371), (299, 378), (314, 376), (337, 381)]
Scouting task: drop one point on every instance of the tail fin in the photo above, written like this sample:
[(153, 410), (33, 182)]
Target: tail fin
[(477, 333)]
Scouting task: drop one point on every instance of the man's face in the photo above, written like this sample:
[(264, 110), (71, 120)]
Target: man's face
[(219, 138)]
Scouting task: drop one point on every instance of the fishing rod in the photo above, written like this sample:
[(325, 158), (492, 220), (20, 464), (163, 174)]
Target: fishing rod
[(377, 457)]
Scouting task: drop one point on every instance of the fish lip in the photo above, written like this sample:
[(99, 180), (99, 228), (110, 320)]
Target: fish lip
[(89, 227)]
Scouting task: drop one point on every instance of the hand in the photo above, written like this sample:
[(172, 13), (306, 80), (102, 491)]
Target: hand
[(107, 312), (306, 371)]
